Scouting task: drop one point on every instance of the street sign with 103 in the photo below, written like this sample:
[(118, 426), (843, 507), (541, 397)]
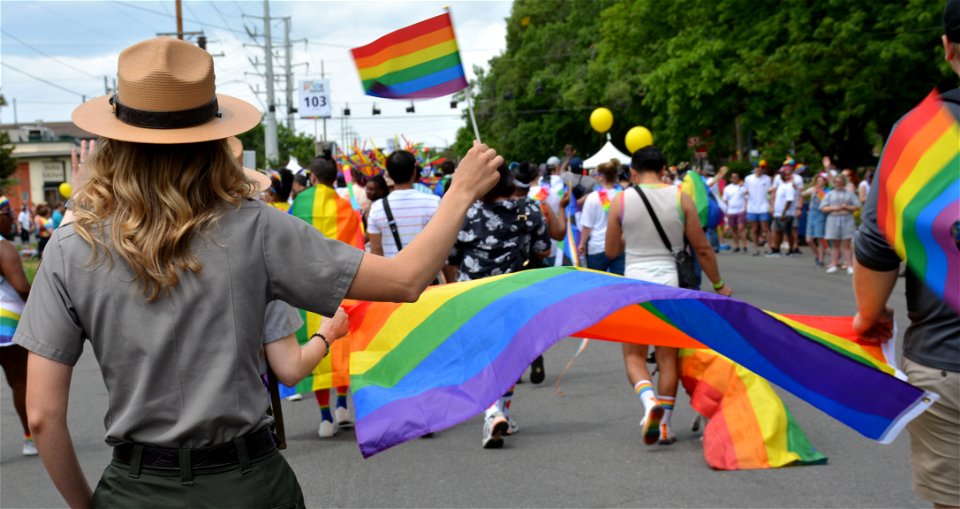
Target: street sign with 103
[(315, 99)]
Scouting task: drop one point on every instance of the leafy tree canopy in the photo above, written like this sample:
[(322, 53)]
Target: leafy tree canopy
[(807, 77)]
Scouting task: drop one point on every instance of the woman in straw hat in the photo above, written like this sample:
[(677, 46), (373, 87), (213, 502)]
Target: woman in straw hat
[(167, 268)]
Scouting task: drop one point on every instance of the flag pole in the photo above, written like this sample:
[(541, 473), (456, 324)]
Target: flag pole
[(473, 118)]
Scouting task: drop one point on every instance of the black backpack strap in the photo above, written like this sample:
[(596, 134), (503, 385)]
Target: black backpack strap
[(653, 215), (392, 223)]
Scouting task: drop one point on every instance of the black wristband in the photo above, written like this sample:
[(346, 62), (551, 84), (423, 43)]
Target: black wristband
[(325, 342)]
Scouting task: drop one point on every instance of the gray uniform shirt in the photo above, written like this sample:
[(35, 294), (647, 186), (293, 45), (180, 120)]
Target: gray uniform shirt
[(933, 337), (183, 371)]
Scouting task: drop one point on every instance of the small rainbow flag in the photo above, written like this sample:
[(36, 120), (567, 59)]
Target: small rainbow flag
[(919, 198), (416, 62), (695, 186), (422, 367)]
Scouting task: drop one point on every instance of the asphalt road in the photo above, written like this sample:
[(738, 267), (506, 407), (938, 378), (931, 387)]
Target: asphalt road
[(579, 450)]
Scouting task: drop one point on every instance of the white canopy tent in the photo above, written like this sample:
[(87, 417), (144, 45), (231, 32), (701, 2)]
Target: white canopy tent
[(606, 153)]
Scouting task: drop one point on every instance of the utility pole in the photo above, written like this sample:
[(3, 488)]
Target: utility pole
[(270, 119), (289, 72), (179, 21), (324, 120)]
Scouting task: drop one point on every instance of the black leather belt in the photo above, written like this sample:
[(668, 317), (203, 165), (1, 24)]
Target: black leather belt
[(258, 444)]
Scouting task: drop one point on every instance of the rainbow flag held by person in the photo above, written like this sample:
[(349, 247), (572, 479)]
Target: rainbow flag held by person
[(748, 425), (918, 204), (420, 61), (421, 367), (695, 186), (335, 218)]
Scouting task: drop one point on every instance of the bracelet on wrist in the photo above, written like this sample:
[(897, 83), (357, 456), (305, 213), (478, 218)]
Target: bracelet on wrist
[(719, 284), (325, 342)]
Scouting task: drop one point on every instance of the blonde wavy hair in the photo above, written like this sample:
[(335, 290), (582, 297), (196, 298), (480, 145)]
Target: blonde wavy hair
[(152, 200)]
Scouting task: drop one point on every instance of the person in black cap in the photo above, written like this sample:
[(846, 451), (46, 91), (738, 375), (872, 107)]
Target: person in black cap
[(931, 345)]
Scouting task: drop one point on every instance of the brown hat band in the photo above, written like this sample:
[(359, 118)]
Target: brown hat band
[(165, 119)]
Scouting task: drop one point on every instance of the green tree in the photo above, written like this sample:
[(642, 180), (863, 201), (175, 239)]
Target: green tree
[(299, 145), (8, 163)]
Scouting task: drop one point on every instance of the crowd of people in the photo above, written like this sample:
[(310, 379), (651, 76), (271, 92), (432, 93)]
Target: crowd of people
[(176, 254), (32, 222)]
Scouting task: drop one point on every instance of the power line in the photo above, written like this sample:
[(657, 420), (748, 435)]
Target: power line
[(202, 23), (101, 34), (52, 84), (55, 59)]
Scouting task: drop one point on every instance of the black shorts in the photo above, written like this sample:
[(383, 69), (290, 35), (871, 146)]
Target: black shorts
[(783, 224)]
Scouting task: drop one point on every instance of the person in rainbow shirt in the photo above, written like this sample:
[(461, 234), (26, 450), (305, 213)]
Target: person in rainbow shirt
[(593, 220)]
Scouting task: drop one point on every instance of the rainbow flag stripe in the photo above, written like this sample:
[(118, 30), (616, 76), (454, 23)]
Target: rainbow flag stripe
[(748, 425), (416, 62), (694, 187), (9, 318), (422, 367), (919, 198)]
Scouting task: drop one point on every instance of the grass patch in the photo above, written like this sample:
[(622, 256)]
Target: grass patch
[(30, 266)]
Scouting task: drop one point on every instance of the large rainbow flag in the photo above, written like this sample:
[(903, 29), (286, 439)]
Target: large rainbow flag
[(421, 367), (334, 217), (695, 186), (919, 200), (416, 62)]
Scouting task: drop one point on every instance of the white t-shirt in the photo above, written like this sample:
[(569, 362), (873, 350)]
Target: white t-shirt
[(411, 210), (785, 194), (797, 181), (756, 190), (24, 219), (734, 195), (595, 217), (554, 185)]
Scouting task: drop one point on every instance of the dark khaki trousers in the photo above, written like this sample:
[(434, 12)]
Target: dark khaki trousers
[(267, 483)]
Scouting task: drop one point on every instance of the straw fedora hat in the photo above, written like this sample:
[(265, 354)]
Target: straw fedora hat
[(166, 93), (262, 181)]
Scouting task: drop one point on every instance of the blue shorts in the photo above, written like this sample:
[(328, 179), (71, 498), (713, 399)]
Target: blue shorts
[(763, 216), (599, 261), (816, 224)]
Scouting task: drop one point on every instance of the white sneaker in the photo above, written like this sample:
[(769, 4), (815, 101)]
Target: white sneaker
[(512, 427), (494, 428), (327, 429), (831, 269), (651, 425), (343, 417), (29, 448), (294, 397), (850, 270)]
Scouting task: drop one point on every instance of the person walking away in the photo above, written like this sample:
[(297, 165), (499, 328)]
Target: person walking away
[(171, 289), (14, 289), (593, 221), (784, 208), (931, 343), (817, 220), (756, 188), (44, 226), (839, 205), (332, 215), (25, 222), (499, 236), (632, 228), (549, 190), (734, 196), (396, 219)]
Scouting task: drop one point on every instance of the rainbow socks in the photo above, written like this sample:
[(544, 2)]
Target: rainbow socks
[(667, 403), (644, 391), (323, 400), (342, 396)]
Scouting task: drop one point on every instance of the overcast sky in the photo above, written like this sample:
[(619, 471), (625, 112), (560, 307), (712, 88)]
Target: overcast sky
[(74, 44)]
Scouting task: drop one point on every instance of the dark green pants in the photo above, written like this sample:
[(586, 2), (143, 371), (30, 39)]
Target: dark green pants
[(267, 483)]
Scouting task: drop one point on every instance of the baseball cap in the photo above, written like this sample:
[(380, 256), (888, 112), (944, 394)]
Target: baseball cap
[(553, 161), (951, 20)]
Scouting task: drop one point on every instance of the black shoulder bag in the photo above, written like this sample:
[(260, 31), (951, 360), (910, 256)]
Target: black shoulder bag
[(392, 223), (686, 276)]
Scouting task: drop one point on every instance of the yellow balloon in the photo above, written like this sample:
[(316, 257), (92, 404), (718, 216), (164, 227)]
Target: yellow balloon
[(66, 190), (637, 138), (601, 120)]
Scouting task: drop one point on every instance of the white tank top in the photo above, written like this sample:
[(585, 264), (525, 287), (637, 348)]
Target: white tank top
[(643, 243)]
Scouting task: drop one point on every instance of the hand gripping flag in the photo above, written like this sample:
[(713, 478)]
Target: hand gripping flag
[(420, 61)]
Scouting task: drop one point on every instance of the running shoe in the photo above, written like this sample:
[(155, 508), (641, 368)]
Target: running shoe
[(494, 428), (327, 429), (772, 254), (537, 373), (666, 436), (850, 270), (29, 448), (651, 425), (512, 427), (343, 417), (831, 269)]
